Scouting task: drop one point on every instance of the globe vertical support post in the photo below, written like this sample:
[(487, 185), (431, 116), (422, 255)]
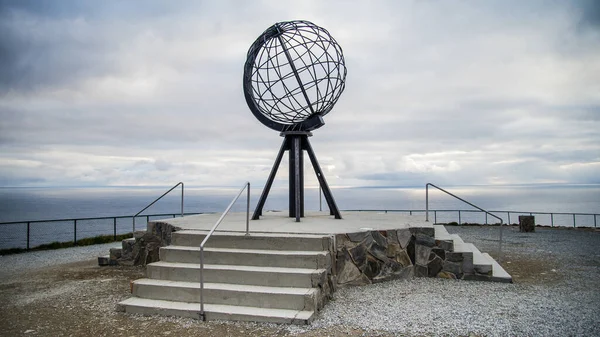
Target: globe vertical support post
[(296, 142)]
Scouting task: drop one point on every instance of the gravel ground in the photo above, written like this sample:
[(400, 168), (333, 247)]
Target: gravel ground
[(556, 293), (15, 264)]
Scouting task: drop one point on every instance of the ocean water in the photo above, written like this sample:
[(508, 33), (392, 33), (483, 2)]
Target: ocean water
[(31, 204)]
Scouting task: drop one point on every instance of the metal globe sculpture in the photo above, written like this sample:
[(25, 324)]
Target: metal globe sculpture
[(293, 76)]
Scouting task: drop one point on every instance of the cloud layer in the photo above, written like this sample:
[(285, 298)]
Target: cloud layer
[(116, 93)]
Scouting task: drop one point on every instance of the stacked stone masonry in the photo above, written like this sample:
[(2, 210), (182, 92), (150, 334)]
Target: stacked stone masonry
[(375, 256)]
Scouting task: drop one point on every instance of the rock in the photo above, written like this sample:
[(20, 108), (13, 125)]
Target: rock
[(467, 263), (347, 271), (526, 223), (424, 240), (447, 275), (146, 249), (379, 252), (439, 252), (115, 253), (410, 249), (340, 240), (359, 256), (453, 267), (404, 237), (392, 236), (373, 267), (427, 231), (404, 259), (362, 280), (447, 245), (358, 237), (454, 257), (379, 239), (422, 254), (393, 249), (435, 266), (421, 271)]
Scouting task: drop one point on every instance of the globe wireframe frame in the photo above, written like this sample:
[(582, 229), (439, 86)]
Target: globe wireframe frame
[(294, 74)]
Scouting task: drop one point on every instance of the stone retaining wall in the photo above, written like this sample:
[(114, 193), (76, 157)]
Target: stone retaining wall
[(375, 256)]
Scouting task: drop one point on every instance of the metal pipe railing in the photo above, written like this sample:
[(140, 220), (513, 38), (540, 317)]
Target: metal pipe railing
[(157, 199), (246, 185), (468, 203)]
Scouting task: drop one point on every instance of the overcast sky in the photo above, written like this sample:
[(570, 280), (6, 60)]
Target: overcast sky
[(150, 92)]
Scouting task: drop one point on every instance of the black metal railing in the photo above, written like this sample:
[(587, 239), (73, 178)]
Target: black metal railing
[(29, 234), (458, 217)]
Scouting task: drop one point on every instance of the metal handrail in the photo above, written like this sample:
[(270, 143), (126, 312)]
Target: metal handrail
[(470, 204), (246, 185), (157, 199)]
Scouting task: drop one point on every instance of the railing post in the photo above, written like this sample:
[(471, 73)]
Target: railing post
[(28, 232), (434, 217), (133, 230), (574, 224), (508, 217), (594, 220), (486, 222), (147, 219), (459, 218), (410, 213), (115, 229), (75, 232), (552, 219), (500, 244)]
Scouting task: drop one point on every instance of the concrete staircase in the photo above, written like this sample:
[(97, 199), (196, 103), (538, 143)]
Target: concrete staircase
[(484, 266), (279, 278)]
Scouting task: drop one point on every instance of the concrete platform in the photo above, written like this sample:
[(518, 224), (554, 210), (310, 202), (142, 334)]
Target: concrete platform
[(285, 271), (312, 223)]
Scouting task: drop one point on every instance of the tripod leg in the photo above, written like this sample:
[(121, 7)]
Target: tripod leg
[(265, 192), (333, 209)]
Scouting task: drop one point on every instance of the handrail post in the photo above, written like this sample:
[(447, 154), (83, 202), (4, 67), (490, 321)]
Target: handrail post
[(28, 232), (552, 219), (115, 228), (459, 218), (246, 185), (508, 217), (202, 316), (574, 223), (75, 232), (182, 199), (427, 202), (248, 210)]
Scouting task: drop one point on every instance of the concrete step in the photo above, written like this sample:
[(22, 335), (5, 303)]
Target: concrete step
[(441, 233), (247, 257), (229, 294), (498, 273), (302, 242), (250, 275), (443, 238), (481, 264), (145, 306)]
